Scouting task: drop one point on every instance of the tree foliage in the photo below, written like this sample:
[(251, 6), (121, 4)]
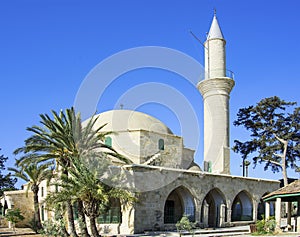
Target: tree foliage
[(14, 216), (274, 140), (6, 181), (74, 146)]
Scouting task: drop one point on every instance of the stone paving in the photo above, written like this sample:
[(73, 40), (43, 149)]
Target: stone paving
[(226, 232), (7, 232)]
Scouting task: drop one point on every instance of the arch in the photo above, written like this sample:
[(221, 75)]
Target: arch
[(211, 208), (242, 207), (261, 208), (179, 202)]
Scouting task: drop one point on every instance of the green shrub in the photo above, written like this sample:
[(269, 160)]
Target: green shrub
[(53, 228), (266, 226), (14, 216), (184, 224)]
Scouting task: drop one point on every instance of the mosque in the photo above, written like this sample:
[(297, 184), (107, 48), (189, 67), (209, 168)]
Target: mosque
[(171, 183)]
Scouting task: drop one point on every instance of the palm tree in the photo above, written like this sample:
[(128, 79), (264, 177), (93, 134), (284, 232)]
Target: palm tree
[(53, 141), (62, 138), (84, 184), (34, 174)]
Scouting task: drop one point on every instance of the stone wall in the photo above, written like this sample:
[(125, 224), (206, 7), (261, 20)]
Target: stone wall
[(149, 211), (171, 155), (22, 200)]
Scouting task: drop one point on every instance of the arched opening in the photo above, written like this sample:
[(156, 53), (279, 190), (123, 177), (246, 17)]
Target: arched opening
[(213, 211), (261, 208), (242, 207), (179, 202)]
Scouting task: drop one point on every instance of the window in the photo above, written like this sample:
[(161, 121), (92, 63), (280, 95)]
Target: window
[(112, 214), (108, 141), (161, 144), (209, 166), (42, 192), (43, 213), (75, 211)]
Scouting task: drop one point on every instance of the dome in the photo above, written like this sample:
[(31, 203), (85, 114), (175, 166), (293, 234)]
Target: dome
[(124, 120), (194, 167)]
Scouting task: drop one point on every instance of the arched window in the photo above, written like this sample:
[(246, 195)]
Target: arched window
[(42, 192), (108, 141), (161, 144)]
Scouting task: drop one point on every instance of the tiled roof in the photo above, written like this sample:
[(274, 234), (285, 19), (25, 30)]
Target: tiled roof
[(292, 188)]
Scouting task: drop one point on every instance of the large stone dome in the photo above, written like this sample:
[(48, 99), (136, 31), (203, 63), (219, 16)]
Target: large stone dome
[(124, 120)]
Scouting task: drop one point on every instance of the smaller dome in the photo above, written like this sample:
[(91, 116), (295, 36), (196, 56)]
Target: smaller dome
[(194, 167)]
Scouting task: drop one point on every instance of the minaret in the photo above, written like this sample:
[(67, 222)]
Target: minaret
[(215, 90)]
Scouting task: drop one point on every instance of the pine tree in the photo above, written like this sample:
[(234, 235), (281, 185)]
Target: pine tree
[(274, 127)]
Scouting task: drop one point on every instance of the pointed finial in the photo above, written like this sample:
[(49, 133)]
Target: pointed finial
[(215, 30), (121, 106), (215, 11)]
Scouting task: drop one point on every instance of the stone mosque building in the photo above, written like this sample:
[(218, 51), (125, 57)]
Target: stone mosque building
[(171, 183)]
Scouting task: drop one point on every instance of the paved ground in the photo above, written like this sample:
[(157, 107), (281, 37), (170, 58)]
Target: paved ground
[(7, 232), (26, 232)]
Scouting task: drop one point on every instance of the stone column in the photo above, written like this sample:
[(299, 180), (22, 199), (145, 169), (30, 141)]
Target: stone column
[(254, 211), (127, 225), (222, 215), (298, 224), (278, 213), (229, 215), (205, 214), (267, 210)]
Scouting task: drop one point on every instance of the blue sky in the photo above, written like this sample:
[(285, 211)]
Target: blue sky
[(48, 47)]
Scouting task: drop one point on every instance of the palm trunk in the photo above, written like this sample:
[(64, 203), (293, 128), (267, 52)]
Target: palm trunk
[(94, 230), (82, 223), (65, 232), (71, 220), (37, 217), (70, 214)]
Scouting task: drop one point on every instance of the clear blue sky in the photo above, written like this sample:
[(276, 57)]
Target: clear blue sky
[(48, 47)]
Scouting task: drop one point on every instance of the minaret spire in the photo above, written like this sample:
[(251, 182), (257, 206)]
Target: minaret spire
[(215, 31)]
